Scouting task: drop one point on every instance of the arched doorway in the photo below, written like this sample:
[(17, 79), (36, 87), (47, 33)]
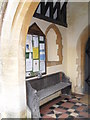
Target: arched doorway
[(12, 57), (81, 46), (87, 68)]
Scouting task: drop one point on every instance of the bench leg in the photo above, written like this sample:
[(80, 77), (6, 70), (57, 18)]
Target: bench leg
[(35, 111), (66, 90), (33, 102)]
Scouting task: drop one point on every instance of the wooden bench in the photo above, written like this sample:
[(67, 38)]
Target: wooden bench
[(38, 89)]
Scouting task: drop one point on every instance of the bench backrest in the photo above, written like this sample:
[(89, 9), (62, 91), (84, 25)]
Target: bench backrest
[(44, 82), (47, 81)]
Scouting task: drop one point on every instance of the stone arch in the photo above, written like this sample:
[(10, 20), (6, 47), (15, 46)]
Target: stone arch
[(58, 42), (3, 6), (80, 61), (12, 58)]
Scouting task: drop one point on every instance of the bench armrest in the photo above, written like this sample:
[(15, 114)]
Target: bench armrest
[(64, 78), (67, 79), (33, 101), (30, 90)]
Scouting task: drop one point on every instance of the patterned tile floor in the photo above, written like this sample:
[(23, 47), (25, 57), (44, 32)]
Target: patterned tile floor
[(65, 107)]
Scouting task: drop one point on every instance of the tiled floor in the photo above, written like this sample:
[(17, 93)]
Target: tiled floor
[(85, 99), (65, 107)]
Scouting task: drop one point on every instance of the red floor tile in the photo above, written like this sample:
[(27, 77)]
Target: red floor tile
[(45, 111), (81, 108), (67, 105), (64, 115), (60, 110), (73, 100), (46, 116), (84, 114)]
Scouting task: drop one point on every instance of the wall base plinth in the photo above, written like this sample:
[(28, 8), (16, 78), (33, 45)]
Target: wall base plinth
[(14, 115), (78, 90)]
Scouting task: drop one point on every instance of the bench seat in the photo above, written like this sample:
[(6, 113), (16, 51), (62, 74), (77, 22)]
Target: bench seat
[(51, 90)]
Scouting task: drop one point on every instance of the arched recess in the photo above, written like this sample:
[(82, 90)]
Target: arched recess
[(13, 37), (58, 43), (80, 61)]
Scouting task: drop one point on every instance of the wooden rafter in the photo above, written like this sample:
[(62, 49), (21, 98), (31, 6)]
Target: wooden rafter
[(60, 14)]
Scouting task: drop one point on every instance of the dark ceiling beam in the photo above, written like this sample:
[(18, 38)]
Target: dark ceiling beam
[(61, 13)]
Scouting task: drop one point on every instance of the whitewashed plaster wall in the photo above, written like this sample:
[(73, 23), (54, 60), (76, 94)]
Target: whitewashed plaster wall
[(77, 22), (77, 15), (43, 26), (77, 19)]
